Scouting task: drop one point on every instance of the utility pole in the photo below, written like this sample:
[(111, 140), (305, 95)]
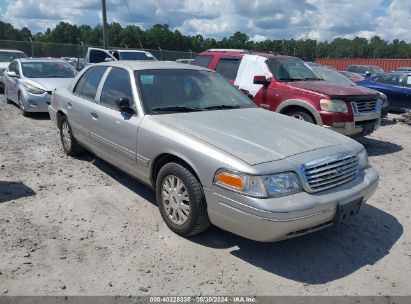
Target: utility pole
[(105, 37), (31, 45)]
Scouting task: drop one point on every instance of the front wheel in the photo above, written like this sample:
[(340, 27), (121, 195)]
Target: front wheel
[(21, 106), (181, 200), (69, 143), (301, 115)]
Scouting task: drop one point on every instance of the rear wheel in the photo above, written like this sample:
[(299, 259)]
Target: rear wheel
[(69, 143), (301, 115), (181, 200)]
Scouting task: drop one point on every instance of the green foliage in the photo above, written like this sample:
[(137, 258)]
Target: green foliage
[(160, 36)]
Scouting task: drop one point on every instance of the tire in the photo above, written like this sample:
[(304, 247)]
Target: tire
[(186, 196), (70, 145), (301, 115), (21, 106)]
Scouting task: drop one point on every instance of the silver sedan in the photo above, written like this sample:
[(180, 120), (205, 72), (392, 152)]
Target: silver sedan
[(210, 154), (29, 82)]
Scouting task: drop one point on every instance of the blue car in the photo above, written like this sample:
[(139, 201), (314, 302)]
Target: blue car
[(396, 85)]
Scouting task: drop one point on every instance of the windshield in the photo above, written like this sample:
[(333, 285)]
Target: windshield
[(136, 56), (177, 90), (333, 76), (47, 70), (290, 69), (10, 56)]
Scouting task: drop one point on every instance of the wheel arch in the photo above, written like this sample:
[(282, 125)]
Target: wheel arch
[(300, 104)]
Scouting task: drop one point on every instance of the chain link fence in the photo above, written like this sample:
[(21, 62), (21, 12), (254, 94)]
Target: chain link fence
[(46, 49)]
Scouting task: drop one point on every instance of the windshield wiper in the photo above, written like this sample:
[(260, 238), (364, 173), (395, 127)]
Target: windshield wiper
[(221, 107), (291, 79), (175, 109), (313, 78)]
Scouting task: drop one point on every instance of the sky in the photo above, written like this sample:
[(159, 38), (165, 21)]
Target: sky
[(259, 19)]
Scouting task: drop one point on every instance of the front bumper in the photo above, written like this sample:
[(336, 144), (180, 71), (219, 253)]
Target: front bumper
[(363, 124), (36, 103), (307, 212)]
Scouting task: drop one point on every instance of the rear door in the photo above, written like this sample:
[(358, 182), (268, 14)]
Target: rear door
[(114, 133), (81, 106)]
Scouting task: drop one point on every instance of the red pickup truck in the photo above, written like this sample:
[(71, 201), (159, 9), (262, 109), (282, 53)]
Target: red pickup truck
[(286, 85)]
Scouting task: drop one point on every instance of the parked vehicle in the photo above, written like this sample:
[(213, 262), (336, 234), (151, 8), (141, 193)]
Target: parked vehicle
[(210, 154), (403, 69), (96, 55), (352, 76), (29, 82), (185, 60), (287, 85), (397, 87), (77, 63), (338, 78), (6, 56), (364, 70)]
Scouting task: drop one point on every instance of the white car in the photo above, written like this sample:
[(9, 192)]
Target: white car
[(7, 56)]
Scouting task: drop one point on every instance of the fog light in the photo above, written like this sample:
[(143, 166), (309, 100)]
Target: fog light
[(339, 124)]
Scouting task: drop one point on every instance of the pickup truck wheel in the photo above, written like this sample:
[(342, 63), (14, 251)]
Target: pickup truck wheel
[(301, 115), (70, 146), (181, 201)]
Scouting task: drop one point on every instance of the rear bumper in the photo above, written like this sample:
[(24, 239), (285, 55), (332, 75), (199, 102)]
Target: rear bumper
[(233, 212)]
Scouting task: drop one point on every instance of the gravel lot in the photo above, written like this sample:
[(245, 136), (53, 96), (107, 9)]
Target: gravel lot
[(81, 227)]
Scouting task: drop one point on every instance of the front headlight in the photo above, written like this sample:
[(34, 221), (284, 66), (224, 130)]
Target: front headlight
[(363, 159), (383, 99), (333, 105), (262, 186), (33, 89)]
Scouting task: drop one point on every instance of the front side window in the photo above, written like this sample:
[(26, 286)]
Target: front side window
[(177, 90), (116, 86), (7, 56), (290, 69), (228, 67), (89, 81), (39, 69), (202, 61), (14, 67)]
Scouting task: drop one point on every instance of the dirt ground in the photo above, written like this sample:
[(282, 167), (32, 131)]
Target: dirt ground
[(78, 226)]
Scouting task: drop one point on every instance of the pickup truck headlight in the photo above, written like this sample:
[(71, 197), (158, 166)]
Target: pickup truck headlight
[(362, 159), (261, 186), (333, 105), (33, 89)]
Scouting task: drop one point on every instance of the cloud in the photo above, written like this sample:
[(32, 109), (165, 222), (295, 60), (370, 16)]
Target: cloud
[(273, 19)]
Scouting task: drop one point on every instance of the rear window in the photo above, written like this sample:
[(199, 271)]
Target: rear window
[(136, 56), (228, 67), (202, 61)]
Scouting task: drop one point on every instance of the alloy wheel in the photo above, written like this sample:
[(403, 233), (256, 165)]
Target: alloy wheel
[(66, 135), (175, 199)]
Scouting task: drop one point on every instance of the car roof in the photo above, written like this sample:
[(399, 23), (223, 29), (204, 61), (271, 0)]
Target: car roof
[(130, 51), (241, 53), (8, 50), (151, 65), (41, 59)]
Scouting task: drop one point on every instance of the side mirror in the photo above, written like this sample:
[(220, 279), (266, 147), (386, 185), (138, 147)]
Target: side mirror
[(108, 59), (11, 74), (261, 80), (367, 74), (123, 105)]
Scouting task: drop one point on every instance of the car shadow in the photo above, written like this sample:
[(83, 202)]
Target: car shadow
[(322, 256), (126, 180), (34, 115), (13, 190), (387, 122), (376, 147)]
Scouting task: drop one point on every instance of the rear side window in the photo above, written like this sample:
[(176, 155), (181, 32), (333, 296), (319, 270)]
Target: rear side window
[(202, 61), (88, 83), (116, 86), (228, 67)]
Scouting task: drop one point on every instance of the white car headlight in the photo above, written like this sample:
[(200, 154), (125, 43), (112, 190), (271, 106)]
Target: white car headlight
[(363, 159), (33, 89), (262, 186), (333, 105)]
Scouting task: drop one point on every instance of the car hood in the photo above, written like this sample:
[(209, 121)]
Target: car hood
[(254, 135), (332, 89), (50, 84)]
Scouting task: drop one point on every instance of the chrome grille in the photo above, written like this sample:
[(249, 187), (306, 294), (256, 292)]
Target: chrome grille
[(330, 173), (365, 106)]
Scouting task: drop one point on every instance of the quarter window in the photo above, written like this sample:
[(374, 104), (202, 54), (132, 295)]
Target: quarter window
[(88, 83), (228, 67), (116, 86), (203, 61)]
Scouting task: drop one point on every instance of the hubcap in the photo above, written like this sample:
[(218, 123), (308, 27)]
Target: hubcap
[(65, 134), (175, 199)]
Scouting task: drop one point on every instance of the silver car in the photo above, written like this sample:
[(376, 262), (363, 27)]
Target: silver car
[(29, 82), (210, 154)]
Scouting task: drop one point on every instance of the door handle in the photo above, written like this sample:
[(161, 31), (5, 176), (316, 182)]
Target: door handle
[(94, 114)]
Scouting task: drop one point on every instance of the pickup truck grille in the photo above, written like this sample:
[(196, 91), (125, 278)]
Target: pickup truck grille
[(330, 173), (365, 106)]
